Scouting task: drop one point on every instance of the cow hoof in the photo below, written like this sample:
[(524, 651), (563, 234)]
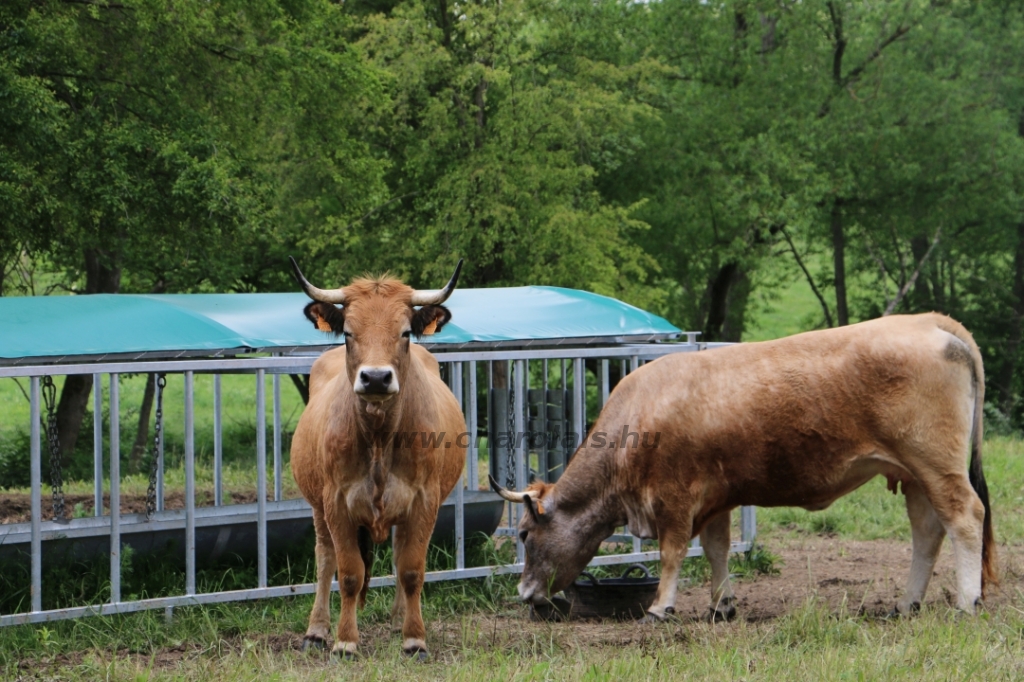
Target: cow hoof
[(653, 618), (915, 608), (721, 615), (345, 656), (345, 651), (416, 653), (313, 643)]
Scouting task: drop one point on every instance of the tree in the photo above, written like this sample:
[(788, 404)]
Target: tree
[(162, 131)]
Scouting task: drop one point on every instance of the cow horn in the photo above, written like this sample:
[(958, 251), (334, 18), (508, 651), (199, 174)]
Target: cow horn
[(507, 494), (323, 295), (437, 296)]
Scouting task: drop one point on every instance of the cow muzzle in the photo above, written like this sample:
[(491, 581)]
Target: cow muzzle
[(376, 384)]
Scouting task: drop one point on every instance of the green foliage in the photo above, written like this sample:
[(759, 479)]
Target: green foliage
[(697, 159), (14, 459)]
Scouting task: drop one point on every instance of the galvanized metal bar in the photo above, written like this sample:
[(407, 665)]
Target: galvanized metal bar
[(115, 489), (460, 526), (579, 403), (633, 364), (277, 437), (603, 380), (455, 376), (302, 364), (748, 524), (517, 379), (160, 455), (36, 480), (97, 445), (218, 444), (261, 478), (472, 451), (544, 454), (190, 485)]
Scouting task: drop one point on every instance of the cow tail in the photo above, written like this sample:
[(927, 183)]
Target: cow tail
[(989, 573), (366, 552)]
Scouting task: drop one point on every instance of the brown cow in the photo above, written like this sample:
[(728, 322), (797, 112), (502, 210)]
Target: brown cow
[(350, 457), (800, 422)]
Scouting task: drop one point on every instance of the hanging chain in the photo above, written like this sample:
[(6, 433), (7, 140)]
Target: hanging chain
[(510, 464), (154, 460), (53, 437)]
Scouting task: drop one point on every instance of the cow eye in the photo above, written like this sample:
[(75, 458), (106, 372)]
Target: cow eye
[(348, 335), (406, 334), (522, 536)]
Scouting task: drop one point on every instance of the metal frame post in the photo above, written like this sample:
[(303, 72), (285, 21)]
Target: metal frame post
[(748, 525), (634, 364), (36, 477), (218, 445), (190, 485), (97, 444), (277, 437), (160, 453), (579, 403), (261, 477), (603, 380), (455, 374), (517, 379), (115, 489), (472, 456)]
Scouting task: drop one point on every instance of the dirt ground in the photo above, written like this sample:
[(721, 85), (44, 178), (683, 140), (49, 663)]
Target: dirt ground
[(845, 576), (866, 576), (17, 507)]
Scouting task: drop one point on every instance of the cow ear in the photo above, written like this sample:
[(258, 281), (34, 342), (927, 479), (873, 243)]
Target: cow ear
[(429, 320), (326, 317), (535, 509)]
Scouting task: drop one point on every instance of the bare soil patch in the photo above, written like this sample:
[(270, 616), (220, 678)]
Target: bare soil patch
[(17, 507), (865, 577)]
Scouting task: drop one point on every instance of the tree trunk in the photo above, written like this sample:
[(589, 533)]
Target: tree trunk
[(301, 382), (839, 260), (925, 297), (1008, 369), (736, 307), (142, 433), (725, 308), (102, 276)]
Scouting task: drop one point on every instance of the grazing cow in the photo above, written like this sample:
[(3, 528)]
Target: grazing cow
[(355, 456), (800, 421)]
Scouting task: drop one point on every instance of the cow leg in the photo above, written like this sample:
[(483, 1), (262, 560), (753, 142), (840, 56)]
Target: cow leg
[(411, 562), (326, 564), (398, 608), (673, 546), (715, 541), (927, 533), (962, 515), (351, 573)]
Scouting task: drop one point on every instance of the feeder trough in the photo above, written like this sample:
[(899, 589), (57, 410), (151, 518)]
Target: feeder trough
[(623, 598)]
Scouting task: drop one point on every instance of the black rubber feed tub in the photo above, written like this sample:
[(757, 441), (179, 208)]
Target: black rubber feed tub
[(622, 598)]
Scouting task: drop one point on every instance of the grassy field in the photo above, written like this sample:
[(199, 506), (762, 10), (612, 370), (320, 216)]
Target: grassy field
[(478, 631)]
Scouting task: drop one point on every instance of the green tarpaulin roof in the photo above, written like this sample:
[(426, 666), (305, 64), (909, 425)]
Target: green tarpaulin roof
[(77, 327)]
